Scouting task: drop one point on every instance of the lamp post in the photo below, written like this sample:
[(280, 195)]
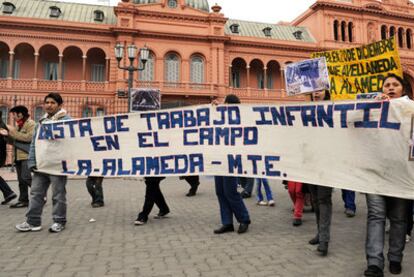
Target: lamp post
[(132, 51)]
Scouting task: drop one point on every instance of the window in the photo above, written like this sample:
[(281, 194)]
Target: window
[(383, 32), (172, 4), (336, 26), (269, 80), (172, 68), (298, 35), (408, 35), (98, 16), (8, 7), (235, 79), (4, 68), (100, 112), (400, 37), (38, 113), (197, 70), (98, 73), (343, 31), (350, 31), (87, 112), (392, 31), (260, 80), (16, 69), (267, 31), (234, 28), (51, 71), (4, 112), (54, 11), (148, 73)]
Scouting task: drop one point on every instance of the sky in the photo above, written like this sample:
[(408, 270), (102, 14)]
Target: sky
[(268, 11)]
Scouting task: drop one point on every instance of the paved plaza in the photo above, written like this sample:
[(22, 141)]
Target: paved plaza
[(184, 243)]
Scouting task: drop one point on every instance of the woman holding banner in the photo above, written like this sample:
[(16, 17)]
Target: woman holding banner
[(380, 207)]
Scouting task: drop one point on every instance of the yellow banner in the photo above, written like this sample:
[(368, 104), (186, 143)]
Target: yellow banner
[(361, 69)]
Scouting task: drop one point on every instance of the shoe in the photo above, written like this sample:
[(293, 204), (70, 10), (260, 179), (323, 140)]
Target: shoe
[(297, 222), (191, 192), (323, 248), (56, 227), (224, 229), (243, 227), (373, 271), (139, 222), (161, 215), (19, 205), (395, 267), (26, 227), (314, 241), (271, 203), (407, 238), (349, 213), (245, 195), (9, 198), (262, 203), (97, 205)]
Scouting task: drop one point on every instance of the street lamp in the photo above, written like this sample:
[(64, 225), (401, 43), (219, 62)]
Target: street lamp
[(132, 51)]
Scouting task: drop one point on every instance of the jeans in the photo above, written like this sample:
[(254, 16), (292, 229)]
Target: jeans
[(380, 207), (322, 202), (348, 196), (298, 198), (94, 186), (40, 185), (267, 188), (25, 180), (230, 201), (4, 188), (153, 195), (410, 213), (247, 184)]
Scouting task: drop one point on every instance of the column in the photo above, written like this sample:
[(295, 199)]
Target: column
[(10, 73), (265, 80), (83, 82), (60, 72), (230, 76), (248, 76), (36, 61)]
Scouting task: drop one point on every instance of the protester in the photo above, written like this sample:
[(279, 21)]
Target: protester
[(295, 190), (153, 195), (348, 196), (380, 207), (8, 194), (41, 181), (94, 186), (21, 137), (194, 182), (268, 191), (247, 184), (229, 199), (322, 202)]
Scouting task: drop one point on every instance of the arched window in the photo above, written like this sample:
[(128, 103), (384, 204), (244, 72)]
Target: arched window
[(87, 112), (235, 78), (392, 31), (400, 37), (38, 113), (335, 30), (100, 111), (343, 30), (408, 38), (4, 113), (148, 73), (350, 31), (172, 68), (197, 70), (383, 32), (172, 4)]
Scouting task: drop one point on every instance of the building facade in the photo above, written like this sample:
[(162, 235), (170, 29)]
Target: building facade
[(196, 53)]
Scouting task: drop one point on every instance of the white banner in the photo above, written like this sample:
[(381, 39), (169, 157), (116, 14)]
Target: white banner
[(361, 146)]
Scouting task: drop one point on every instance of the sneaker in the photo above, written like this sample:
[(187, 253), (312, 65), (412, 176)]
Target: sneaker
[(297, 222), (262, 203), (349, 213), (139, 222), (19, 205), (26, 227), (56, 227), (395, 267), (97, 205), (9, 198), (407, 238), (373, 271), (271, 203), (161, 215)]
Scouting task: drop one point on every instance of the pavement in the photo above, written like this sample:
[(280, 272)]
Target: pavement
[(182, 244)]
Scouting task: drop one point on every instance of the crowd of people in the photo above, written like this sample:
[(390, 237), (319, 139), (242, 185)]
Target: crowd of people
[(231, 202)]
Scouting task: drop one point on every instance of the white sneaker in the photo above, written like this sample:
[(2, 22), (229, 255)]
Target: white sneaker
[(262, 203), (139, 222), (26, 227), (56, 227), (272, 203), (407, 238)]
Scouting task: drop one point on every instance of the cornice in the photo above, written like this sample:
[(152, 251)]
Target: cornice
[(177, 36), (276, 46)]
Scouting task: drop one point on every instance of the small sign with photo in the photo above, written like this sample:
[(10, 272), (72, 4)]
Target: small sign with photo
[(306, 76), (145, 99)]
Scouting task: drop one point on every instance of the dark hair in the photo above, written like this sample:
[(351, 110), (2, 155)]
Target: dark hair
[(327, 95), (403, 82), (55, 96), (20, 109), (232, 99)]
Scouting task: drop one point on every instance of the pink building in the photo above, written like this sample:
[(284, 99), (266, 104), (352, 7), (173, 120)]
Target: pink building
[(196, 52)]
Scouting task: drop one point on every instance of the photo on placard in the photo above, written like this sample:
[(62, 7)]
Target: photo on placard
[(306, 76), (145, 99)]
